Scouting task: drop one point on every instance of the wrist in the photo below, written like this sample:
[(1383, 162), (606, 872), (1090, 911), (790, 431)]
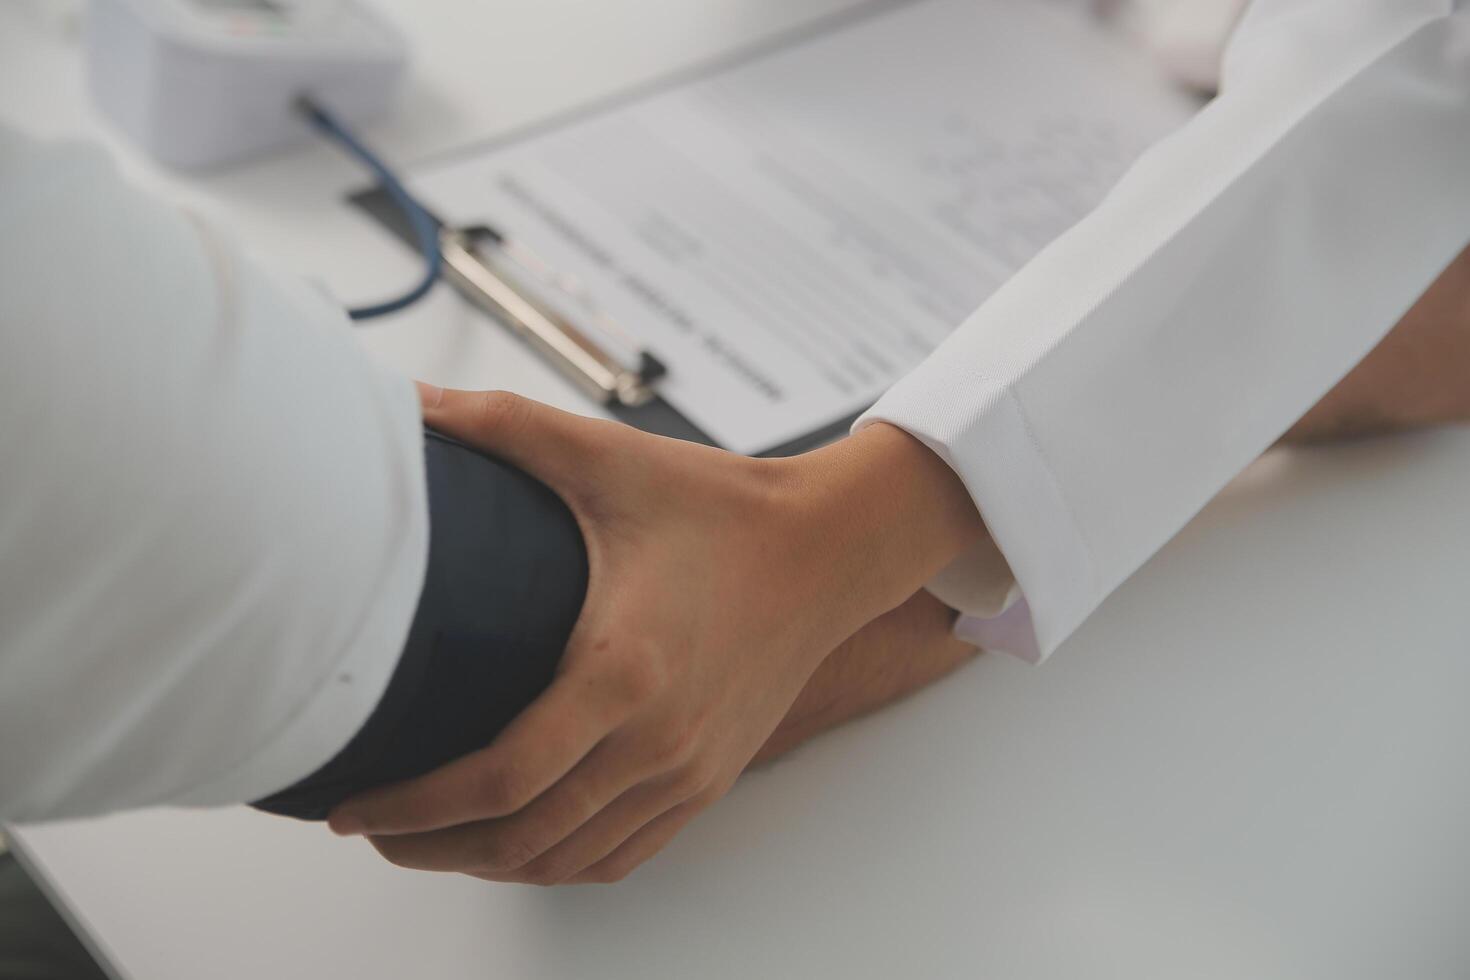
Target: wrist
[(889, 513)]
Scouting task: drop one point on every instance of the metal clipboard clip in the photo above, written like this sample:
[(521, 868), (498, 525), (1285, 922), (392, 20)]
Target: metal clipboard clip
[(483, 266)]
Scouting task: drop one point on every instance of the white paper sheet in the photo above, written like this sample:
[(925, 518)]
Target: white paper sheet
[(794, 233)]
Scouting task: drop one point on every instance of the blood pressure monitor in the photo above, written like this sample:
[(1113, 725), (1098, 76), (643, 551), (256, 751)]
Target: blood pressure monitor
[(202, 83)]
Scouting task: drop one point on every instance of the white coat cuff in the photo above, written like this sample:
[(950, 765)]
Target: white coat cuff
[(1025, 593)]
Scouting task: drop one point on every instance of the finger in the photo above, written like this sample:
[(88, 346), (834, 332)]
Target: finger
[(550, 444), (508, 844), (540, 746), (644, 844), (606, 831), (450, 849), (429, 395)]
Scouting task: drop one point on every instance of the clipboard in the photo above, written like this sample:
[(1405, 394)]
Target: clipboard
[(753, 379), (654, 415)]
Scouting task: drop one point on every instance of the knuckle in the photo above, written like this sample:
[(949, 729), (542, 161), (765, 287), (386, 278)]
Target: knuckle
[(512, 854), (693, 779), (502, 789), (637, 678), (678, 745), (503, 411)]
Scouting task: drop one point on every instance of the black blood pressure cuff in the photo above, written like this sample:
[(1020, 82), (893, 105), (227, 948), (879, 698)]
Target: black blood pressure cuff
[(506, 577)]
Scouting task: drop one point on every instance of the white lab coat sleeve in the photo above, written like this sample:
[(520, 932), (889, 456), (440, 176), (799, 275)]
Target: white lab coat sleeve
[(212, 520), (1242, 267)]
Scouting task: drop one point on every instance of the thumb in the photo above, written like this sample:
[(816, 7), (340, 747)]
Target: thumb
[(547, 443)]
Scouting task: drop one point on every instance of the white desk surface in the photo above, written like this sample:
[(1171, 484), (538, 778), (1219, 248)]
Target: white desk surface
[(1250, 764)]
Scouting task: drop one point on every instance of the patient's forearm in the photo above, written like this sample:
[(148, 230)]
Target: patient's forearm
[(892, 657), (1418, 375)]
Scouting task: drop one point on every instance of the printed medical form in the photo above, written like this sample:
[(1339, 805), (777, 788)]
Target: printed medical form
[(794, 233)]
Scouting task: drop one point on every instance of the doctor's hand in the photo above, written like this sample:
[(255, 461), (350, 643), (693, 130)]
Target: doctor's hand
[(717, 586)]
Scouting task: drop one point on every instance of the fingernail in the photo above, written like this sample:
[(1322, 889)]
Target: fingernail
[(430, 395)]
